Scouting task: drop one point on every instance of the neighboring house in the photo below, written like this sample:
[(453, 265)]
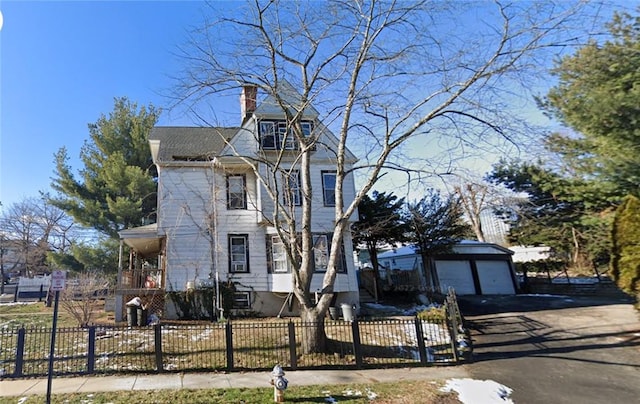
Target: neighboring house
[(471, 268), (12, 257), (213, 214), (530, 253)]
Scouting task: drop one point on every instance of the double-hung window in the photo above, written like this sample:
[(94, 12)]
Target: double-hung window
[(307, 127), (278, 135), (278, 257), (292, 185), (267, 131), (329, 188), (238, 253), (236, 192), (286, 137), (320, 252), (322, 247)]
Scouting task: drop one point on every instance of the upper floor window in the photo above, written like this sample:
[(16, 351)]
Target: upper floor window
[(236, 192), (238, 253), (329, 188), (292, 188), (278, 135)]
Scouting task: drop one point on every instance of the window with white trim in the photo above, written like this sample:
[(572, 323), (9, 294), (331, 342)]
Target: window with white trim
[(238, 253), (320, 252), (278, 135), (279, 260), (329, 188), (292, 194), (236, 192)]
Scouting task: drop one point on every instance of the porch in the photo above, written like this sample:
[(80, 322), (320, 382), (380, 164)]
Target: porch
[(143, 274)]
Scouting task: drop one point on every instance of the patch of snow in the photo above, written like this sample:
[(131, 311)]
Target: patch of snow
[(23, 400), (328, 398), (351, 393), (412, 311), (371, 395), (379, 306), (582, 280), (18, 303), (472, 391)]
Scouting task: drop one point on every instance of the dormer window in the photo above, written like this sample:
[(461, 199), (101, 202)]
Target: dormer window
[(277, 135)]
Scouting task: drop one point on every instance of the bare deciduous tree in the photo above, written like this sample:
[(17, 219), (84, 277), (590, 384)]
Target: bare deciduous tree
[(33, 228), (392, 79), (81, 296)]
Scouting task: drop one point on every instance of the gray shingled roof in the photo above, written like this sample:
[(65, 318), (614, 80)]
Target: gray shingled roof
[(179, 143)]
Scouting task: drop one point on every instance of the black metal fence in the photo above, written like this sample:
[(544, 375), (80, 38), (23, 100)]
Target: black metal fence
[(231, 346)]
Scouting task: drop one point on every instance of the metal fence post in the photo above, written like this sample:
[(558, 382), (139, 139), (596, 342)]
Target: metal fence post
[(157, 332), (292, 345), (19, 353), (357, 348), (420, 337), (228, 333), (91, 350)]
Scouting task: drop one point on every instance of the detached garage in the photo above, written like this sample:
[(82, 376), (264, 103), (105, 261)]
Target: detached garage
[(475, 268), (472, 268)]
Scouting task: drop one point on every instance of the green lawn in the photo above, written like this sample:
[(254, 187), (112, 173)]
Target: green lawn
[(402, 392), (36, 314)]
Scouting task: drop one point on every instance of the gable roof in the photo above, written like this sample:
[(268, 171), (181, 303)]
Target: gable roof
[(179, 143), (461, 247), (291, 97)]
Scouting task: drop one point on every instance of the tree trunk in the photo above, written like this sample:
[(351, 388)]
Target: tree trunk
[(314, 338), (376, 273)]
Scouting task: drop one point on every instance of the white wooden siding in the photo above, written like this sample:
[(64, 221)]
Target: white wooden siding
[(322, 217), (185, 205)]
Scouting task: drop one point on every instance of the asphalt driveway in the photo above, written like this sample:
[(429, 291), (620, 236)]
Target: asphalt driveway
[(554, 349)]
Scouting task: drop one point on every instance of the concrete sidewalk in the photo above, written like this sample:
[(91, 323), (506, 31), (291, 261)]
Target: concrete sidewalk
[(94, 384)]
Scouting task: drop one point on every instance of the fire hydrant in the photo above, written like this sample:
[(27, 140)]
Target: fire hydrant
[(279, 384)]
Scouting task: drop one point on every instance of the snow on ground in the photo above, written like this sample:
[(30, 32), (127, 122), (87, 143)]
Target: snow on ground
[(12, 303), (472, 391), (543, 295), (371, 395), (400, 311)]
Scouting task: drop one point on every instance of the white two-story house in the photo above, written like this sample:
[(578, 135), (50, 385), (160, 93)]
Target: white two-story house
[(214, 222)]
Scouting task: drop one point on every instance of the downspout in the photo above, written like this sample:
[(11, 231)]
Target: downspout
[(214, 235)]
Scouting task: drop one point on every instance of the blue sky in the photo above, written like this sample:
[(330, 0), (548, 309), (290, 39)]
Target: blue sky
[(62, 64)]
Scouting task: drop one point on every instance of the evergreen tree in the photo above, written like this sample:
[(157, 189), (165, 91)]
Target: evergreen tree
[(435, 225), (379, 222), (116, 188), (625, 262), (556, 211), (599, 97)]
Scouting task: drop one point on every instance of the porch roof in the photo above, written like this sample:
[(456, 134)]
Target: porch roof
[(144, 239)]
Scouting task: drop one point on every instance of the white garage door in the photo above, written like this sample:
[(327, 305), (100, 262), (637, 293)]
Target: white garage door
[(495, 278), (456, 274)]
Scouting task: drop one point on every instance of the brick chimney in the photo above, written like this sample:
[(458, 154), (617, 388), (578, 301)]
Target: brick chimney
[(248, 100)]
